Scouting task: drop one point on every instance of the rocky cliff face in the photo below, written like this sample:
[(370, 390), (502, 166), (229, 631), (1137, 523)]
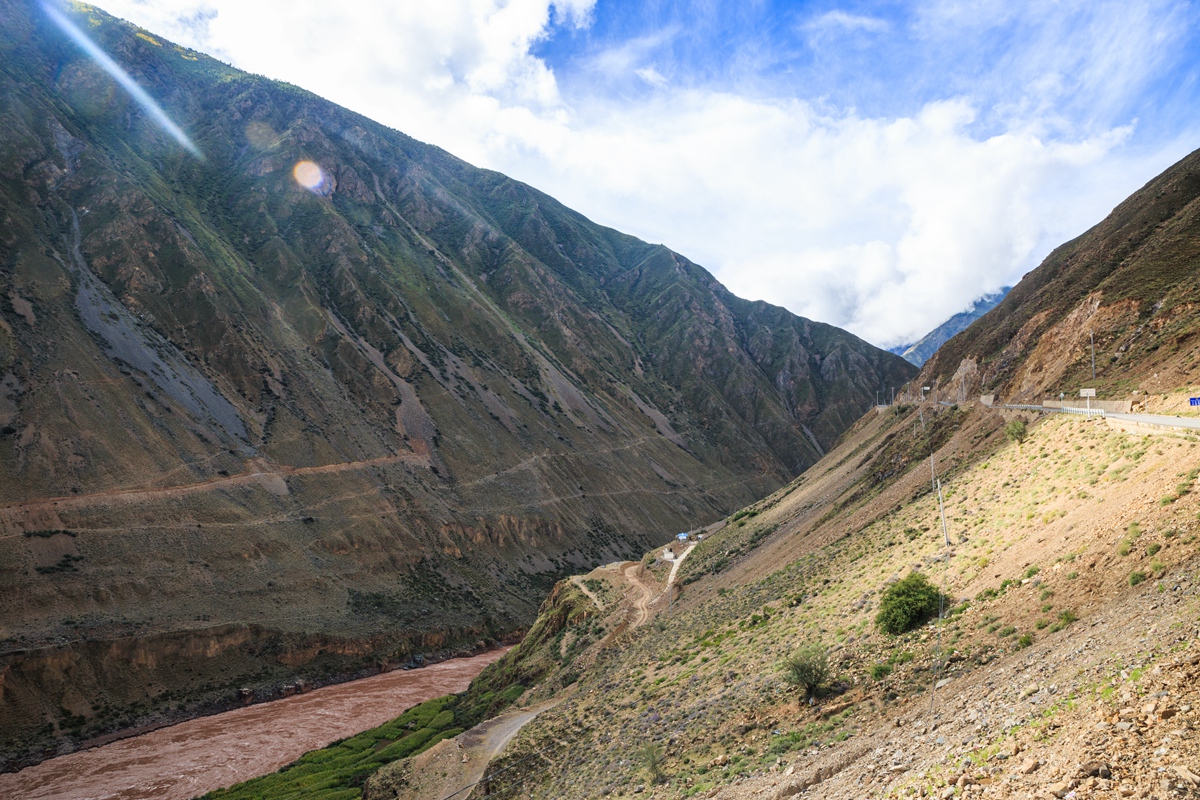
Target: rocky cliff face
[(397, 405), (1132, 282)]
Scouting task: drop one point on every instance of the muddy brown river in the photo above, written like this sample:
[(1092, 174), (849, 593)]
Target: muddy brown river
[(194, 757)]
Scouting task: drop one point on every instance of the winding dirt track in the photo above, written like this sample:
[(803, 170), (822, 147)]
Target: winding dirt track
[(645, 593), (578, 581), (488, 739), (270, 476)]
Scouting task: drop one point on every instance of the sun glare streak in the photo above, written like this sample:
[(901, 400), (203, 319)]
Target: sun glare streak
[(122, 77)]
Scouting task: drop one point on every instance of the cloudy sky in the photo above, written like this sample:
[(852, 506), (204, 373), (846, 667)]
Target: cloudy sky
[(873, 165)]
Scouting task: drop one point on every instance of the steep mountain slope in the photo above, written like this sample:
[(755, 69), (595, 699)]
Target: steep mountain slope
[(1133, 281), (1066, 660), (920, 351), (250, 432)]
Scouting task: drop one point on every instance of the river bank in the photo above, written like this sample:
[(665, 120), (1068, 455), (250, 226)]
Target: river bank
[(186, 760)]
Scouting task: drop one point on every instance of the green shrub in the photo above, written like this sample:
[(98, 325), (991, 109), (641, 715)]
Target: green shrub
[(1025, 640), (1153, 548), (879, 671), (807, 668), (1065, 618), (1136, 577), (908, 604)]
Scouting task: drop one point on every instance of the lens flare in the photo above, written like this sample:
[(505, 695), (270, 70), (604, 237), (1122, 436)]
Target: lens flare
[(308, 175), (122, 77)]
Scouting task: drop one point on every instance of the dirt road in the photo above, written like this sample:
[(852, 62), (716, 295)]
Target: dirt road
[(578, 581), (488, 739), (453, 769), (644, 593), (678, 564)]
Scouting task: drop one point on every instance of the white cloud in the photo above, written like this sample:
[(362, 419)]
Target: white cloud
[(851, 22), (651, 76), (886, 226)]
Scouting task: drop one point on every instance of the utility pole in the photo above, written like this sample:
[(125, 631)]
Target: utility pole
[(942, 509), (1092, 336)]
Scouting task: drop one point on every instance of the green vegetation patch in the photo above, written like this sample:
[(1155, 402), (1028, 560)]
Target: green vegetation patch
[(908, 604), (338, 772)]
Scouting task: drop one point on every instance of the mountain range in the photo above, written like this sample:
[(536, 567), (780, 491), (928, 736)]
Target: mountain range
[(255, 431)]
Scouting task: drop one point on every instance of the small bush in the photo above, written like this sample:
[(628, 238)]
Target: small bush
[(1065, 618), (1016, 431), (1041, 623), (1151, 549), (1136, 577), (1007, 630), (650, 756), (807, 668), (1034, 570), (1024, 641), (879, 671), (908, 604), (1123, 548)]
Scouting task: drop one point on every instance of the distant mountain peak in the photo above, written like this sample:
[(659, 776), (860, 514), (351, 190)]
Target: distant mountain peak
[(920, 351)]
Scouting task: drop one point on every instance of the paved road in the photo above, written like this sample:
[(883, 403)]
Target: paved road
[(1159, 420), (1156, 420)]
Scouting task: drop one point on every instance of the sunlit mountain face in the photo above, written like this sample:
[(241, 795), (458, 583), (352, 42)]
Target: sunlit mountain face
[(873, 167)]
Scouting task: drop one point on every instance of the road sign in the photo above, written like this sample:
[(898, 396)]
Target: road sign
[(1194, 401), (1087, 392)]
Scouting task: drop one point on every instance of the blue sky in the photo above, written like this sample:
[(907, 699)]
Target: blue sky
[(872, 165)]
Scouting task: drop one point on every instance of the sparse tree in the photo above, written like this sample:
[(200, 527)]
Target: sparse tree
[(1015, 431), (807, 668), (650, 756)]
